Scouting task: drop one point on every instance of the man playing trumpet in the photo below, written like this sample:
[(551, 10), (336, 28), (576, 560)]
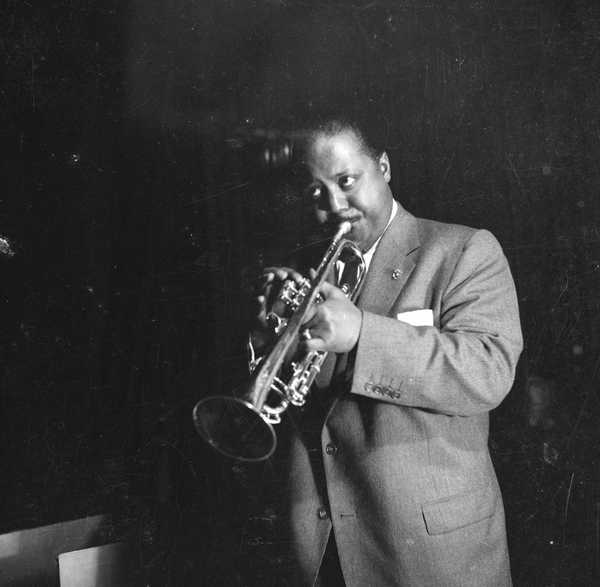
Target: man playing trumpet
[(390, 478)]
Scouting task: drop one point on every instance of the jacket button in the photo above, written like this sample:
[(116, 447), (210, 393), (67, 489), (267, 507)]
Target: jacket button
[(331, 449), (322, 513)]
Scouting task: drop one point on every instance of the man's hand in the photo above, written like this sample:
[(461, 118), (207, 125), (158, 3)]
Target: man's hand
[(269, 305), (333, 325)]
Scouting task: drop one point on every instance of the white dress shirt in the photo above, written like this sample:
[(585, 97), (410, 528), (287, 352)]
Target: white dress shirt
[(369, 254)]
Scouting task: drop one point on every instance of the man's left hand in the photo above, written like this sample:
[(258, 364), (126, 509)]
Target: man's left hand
[(334, 324)]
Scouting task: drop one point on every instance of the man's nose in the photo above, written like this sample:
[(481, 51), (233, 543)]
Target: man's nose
[(336, 200)]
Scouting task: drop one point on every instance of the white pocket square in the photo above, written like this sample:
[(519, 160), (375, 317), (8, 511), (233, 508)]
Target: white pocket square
[(417, 317)]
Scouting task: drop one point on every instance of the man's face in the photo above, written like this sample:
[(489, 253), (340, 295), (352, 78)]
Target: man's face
[(346, 183)]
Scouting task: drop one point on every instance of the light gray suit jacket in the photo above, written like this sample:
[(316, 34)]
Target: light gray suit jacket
[(399, 466)]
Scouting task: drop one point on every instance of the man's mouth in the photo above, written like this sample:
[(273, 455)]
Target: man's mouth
[(340, 219)]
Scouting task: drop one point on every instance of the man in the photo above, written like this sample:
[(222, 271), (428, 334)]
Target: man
[(391, 482)]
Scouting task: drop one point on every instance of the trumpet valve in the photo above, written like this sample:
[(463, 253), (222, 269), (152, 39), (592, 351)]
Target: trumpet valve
[(292, 294)]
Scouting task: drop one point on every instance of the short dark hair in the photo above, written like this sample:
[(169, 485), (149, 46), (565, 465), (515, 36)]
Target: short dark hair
[(366, 128), (334, 126)]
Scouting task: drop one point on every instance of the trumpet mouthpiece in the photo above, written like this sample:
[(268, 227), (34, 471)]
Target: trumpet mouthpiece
[(345, 228)]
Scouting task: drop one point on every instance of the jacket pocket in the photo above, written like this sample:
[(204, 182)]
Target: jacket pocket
[(458, 511)]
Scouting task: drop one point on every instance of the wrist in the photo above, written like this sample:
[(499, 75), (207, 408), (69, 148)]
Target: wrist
[(358, 329)]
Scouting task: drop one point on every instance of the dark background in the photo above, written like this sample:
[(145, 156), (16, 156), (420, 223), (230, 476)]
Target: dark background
[(137, 205)]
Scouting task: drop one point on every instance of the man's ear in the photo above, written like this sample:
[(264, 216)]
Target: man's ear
[(384, 165)]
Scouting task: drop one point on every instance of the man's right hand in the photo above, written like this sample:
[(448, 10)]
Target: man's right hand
[(269, 305)]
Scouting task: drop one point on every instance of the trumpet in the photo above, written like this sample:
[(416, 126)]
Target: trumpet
[(242, 427)]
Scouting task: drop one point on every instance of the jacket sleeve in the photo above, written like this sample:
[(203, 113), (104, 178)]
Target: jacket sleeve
[(464, 367)]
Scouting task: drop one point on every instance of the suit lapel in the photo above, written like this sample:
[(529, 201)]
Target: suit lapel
[(391, 266)]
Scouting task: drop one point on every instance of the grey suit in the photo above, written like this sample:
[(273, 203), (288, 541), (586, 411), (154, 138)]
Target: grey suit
[(399, 466)]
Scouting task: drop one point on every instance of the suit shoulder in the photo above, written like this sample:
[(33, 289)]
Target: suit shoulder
[(453, 236)]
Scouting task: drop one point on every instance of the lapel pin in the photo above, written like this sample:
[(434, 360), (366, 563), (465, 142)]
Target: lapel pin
[(396, 273)]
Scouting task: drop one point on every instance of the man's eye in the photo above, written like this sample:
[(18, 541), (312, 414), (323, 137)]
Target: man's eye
[(347, 182), (314, 192)]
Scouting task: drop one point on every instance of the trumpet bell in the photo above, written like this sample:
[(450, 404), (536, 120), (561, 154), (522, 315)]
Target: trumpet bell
[(235, 428)]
